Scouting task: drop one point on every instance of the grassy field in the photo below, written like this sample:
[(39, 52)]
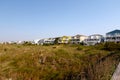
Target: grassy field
[(57, 62)]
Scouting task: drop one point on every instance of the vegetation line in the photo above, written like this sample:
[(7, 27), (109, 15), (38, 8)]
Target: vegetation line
[(58, 62), (105, 57)]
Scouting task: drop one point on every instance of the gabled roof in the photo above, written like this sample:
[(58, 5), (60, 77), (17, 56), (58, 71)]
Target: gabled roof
[(113, 32), (78, 35), (96, 35)]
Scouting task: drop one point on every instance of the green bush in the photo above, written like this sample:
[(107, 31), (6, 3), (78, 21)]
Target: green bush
[(111, 46), (79, 48), (27, 43)]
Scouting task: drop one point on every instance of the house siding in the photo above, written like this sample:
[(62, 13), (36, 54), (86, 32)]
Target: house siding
[(94, 39), (113, 36)]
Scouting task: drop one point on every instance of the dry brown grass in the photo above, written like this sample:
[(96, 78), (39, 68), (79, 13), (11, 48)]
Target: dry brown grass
[(55, 62)]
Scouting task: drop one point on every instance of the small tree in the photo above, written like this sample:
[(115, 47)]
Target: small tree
[(56, 40)]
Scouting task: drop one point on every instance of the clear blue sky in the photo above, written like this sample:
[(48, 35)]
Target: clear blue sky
[(34, 19)]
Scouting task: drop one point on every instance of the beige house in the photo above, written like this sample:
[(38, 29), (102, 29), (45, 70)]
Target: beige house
[(77, 39)]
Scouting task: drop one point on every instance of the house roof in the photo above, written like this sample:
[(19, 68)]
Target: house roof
[(78, 35), (96, 35), (113, 32)]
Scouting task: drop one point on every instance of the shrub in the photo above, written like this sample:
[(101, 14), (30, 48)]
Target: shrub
[(79, 48), (111, 46), (27, 43), (5, 49)]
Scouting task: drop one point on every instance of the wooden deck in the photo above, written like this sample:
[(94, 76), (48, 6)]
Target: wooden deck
[(116, 75)]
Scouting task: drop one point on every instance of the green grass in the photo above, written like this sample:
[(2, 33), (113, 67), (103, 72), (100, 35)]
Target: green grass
[(56, 62)]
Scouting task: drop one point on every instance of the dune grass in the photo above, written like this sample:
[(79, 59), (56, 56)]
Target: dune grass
[(55, 62)]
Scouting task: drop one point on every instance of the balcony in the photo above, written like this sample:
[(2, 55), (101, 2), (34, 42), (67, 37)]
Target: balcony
[(115, 35), (113, 40)]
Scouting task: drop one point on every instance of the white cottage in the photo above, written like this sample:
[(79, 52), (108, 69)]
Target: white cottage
[(36, 41)]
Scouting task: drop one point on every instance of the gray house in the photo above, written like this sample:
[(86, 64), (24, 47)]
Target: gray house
[(94, 39), (46, 41), (113, 36)]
